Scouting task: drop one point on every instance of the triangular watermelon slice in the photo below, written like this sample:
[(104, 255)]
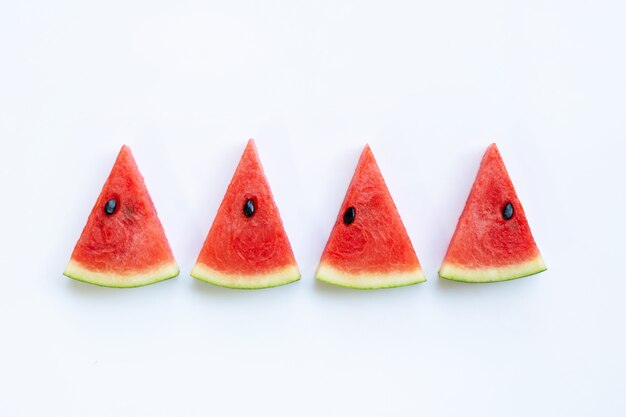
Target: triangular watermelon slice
[(247, 246), (492, 240), (369, 247), (123, 243)]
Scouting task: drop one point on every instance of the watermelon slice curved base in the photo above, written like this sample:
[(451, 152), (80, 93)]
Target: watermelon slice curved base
[(276, 278), (78, 272), (368, 281), (492, 274)]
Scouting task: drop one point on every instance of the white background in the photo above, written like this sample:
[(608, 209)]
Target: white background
[(429, 85)]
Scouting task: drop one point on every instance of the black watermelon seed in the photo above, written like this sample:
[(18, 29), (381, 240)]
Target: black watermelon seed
[(507, 211), (248, 208), (110, 206), (349, 215)]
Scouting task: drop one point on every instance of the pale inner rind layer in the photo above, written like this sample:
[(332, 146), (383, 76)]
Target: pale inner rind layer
[(121, 280), (367, 280), (492, 274), (280, 276)]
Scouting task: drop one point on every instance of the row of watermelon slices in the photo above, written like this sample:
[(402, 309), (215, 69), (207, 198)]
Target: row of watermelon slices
[(123, 243)]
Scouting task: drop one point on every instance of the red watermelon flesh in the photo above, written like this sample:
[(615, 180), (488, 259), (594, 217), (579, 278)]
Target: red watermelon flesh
[(374, 250), (243, 251), (486, 246), (128, 247)]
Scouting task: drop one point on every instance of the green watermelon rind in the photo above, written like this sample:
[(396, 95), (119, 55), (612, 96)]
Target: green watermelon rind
[(116, 280), (368, 280), (280, 276), (493, 274)]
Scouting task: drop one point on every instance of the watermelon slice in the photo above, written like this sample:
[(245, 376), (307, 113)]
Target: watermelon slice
[(369, 247), (123, 243), (247, 246), (492, 240)]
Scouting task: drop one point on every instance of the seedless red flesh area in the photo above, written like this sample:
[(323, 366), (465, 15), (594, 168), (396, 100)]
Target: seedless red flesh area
[(485, 246), (375, 250), (127, 248), (247, 252)]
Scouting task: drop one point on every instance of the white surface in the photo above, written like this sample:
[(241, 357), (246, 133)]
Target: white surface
[(429, 86)]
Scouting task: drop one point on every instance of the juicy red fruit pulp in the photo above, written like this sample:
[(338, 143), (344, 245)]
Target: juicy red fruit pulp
[(493, 230), (131, 238), (368, 235), (247, 236)]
